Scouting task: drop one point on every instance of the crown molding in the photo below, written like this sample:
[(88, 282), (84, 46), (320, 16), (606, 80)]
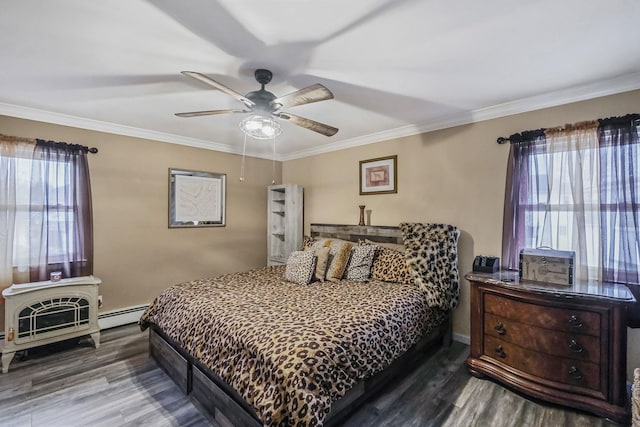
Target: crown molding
[(551, 99), (99, 126), (579, 93)]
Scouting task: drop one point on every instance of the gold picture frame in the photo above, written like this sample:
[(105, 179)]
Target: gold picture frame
[(379, 175)]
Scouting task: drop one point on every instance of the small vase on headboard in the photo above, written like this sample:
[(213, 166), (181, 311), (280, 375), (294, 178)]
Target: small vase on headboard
[(361, 215)]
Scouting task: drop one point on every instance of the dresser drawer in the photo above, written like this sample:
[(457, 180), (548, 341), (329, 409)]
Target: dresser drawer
[(555, 343), (559, 319), (562, 372)]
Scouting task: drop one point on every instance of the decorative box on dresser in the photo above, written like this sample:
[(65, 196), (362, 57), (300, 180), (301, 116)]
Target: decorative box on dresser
[(562, 344), (284, 225)]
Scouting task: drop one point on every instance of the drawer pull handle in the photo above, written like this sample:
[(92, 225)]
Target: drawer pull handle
[(500, 328), (575, 373), (500, 351), (575, 322), (574, 347)]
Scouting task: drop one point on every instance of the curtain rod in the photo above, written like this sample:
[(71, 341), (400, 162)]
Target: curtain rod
[(521, 136), (517, 137), (92, 150)]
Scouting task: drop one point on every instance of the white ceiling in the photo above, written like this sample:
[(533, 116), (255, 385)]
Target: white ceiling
[(396, 67)]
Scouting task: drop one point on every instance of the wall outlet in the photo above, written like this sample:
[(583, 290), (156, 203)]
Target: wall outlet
[(99, 301)]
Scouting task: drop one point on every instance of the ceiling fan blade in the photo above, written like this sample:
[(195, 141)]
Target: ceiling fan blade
[(209, 113), (309, 124), (306, 95), (199, 76)]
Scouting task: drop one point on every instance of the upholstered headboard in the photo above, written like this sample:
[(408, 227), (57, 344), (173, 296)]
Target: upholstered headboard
[(353, 233)]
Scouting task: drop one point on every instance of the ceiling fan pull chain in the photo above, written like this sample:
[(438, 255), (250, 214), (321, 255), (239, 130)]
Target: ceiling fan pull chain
[(244, 149), (273, 161)]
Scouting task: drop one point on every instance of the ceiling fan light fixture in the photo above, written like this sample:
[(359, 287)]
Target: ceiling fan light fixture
[(264, 106), (260, 127)]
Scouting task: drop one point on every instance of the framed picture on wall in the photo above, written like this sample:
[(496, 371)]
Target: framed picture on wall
[(196, 199), (379, 176)]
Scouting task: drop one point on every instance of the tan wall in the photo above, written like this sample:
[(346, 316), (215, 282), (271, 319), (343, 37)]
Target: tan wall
[(136, 254), (455, 176)]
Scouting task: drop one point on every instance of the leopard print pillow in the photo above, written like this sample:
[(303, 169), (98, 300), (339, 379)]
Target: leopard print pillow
[(395, 246), (300, 267), (359, 266), (307, 243), (390, 266)]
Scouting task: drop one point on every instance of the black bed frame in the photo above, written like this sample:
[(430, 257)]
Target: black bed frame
[(220, 403)]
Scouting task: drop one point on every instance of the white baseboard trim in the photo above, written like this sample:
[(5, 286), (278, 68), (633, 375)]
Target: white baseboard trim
[(464, 339), (120, 317)]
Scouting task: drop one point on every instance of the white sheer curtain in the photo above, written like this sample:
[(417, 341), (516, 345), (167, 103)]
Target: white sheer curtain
[(15, 156), (572, 218)]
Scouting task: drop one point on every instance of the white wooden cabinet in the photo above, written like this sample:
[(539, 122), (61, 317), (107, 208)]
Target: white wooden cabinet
[(285, 227)]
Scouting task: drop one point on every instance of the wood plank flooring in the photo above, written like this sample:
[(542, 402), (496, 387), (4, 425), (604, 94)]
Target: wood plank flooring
[(119, 385)]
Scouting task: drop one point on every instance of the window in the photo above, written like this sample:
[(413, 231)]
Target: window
[(52, 214), (578, 188), (46, 210)]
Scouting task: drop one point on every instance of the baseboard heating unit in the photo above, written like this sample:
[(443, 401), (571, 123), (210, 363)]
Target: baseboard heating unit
[(119, 317)]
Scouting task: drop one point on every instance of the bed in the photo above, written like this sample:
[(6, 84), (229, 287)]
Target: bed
[(254, 349)]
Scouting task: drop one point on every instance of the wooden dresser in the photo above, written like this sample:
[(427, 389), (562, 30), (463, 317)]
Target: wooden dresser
[(562, 344)]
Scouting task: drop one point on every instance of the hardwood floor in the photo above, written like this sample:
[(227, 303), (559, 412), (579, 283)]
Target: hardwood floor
[(119, 385)]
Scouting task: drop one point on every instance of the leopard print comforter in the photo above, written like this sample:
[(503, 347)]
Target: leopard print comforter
[(290, 350)]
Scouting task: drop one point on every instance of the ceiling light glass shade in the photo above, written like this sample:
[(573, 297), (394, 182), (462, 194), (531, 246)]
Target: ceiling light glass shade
[(260, 127)]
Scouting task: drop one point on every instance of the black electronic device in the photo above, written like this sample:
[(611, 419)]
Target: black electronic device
[(486, 264)]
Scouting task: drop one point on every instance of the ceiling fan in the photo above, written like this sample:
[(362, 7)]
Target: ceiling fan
[(266, 104)]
